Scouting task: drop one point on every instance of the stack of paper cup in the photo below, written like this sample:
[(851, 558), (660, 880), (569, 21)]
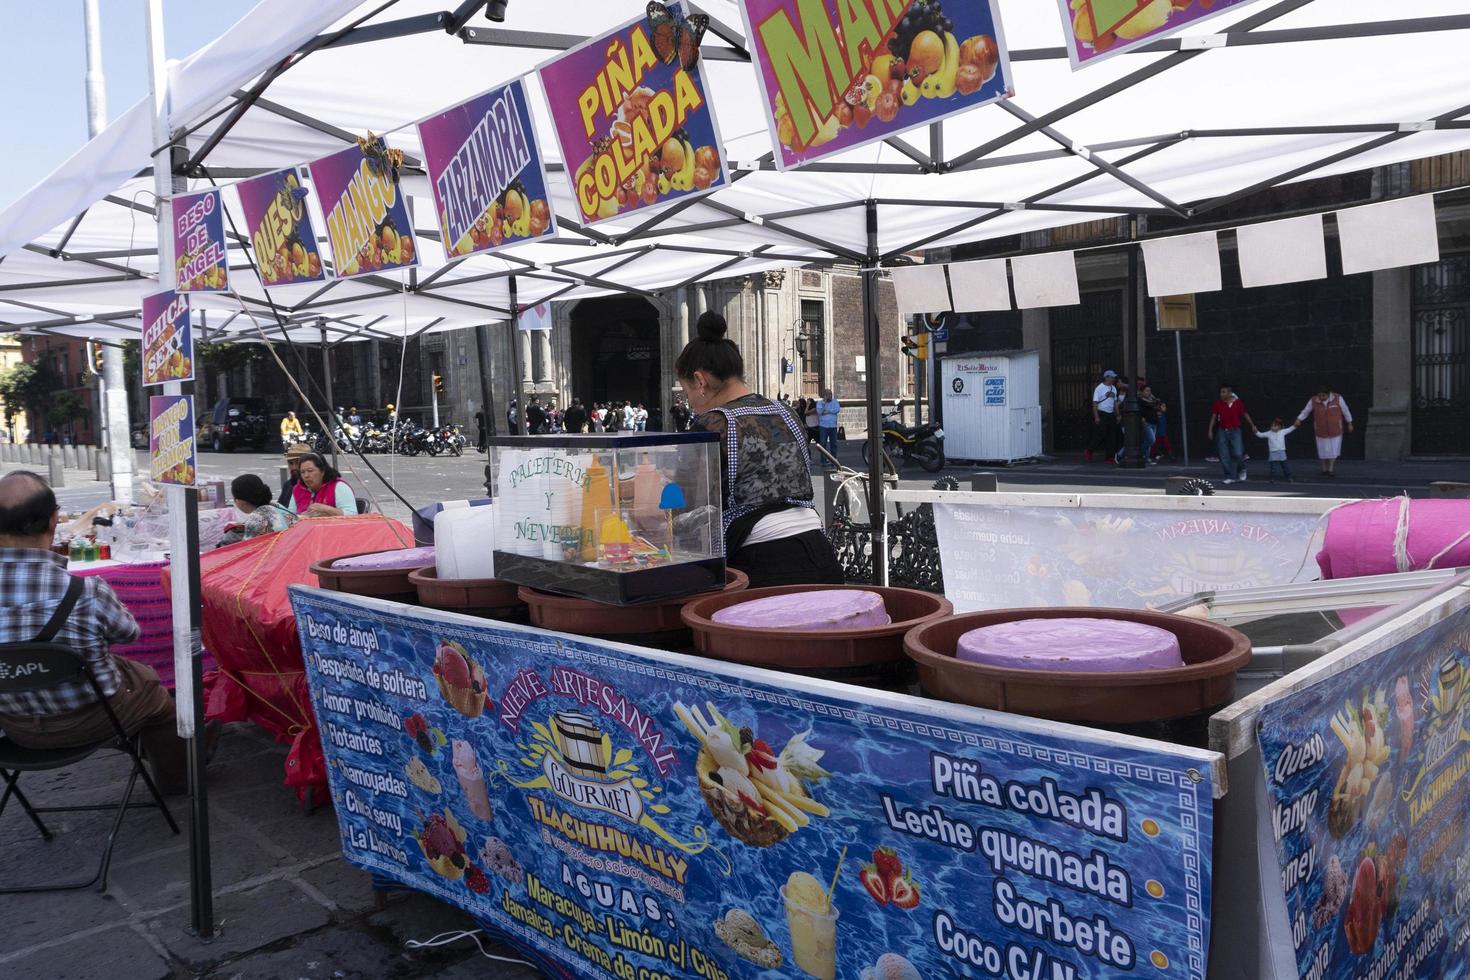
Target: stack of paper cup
[(551, 492), (504, 501), (530, 506)]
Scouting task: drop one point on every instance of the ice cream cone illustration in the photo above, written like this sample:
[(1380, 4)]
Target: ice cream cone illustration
[(472, 780)]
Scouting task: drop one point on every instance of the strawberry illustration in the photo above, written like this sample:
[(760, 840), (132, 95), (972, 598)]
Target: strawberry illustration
[(760, 756), (418, 728), (889, 866), (476, 880), (874, 883), (905, 892)]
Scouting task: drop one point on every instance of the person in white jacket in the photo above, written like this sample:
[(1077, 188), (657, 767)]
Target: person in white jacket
[(1276, 445)]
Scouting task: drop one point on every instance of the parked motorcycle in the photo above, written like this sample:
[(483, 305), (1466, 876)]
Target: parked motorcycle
[(923, 444)]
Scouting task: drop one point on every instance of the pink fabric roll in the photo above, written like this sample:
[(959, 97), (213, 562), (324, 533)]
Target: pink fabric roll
[(1360, 537), (826, 609), (398, 558)]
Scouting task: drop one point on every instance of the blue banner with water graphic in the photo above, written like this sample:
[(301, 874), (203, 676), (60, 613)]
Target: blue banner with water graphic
[(626, 813), (1368, 780)]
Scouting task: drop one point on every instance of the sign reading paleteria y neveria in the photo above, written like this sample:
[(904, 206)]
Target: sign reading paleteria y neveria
[(279, 225), (633, 117), (367, 218), (488, 179), (837, 74)]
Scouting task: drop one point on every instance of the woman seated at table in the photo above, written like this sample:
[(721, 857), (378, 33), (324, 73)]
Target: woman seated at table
[(322, 492), (262, 514)]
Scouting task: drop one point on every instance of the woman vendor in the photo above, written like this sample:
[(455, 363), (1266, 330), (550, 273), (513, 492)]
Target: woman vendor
[(293, 471), (772, 531), (322, 492)]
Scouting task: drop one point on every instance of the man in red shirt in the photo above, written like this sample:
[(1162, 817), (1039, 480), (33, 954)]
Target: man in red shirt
[(1226, 416)]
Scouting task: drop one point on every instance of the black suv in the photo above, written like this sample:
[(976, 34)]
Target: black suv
[(236, 423)]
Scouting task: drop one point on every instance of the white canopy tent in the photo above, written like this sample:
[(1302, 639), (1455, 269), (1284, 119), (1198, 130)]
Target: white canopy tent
[(1267, 93)]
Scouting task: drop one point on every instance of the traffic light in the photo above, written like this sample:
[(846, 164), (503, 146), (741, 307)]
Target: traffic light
[(438, 384), (96, 359), (922, 351), (908, 345)]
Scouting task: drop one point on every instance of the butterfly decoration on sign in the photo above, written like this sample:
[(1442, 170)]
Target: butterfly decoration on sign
[(382, 160), (675, 36)]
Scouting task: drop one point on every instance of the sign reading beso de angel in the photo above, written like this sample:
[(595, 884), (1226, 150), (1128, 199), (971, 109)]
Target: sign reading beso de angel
[(838, 74), (632, 115)]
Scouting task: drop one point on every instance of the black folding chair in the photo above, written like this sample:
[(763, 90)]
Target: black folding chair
[(37, 666)]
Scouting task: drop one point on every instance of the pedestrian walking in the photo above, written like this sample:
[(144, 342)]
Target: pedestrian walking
[(1227, 416), (1149, 410), (1105, 418), (1276, 444), (829, 410), (1330, 418)]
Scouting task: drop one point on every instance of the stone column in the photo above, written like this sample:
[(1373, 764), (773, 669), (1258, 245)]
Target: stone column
[(1036, 335), (541, 339), (527, 375), (1387, 420)]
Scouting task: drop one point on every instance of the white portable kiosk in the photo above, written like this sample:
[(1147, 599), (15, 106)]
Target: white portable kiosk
[(992, 406)]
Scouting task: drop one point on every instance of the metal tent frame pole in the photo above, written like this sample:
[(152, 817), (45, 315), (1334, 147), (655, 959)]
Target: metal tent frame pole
[(183, 514), (872, 347), (331, 406), (513, 327)]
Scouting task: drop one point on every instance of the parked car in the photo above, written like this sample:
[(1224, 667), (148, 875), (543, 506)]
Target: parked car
[(236, 423)]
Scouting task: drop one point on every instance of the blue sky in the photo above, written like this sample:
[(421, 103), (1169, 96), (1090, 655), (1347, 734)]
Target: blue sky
[(44, 104)]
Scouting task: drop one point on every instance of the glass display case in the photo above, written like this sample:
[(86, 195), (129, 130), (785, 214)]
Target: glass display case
[(621, 519)]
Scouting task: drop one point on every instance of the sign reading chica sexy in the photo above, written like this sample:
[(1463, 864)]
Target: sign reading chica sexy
[(837, 74), (621, 812)]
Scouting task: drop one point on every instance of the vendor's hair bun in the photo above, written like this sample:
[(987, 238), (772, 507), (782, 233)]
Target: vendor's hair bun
[(711, 326), (710, 351)]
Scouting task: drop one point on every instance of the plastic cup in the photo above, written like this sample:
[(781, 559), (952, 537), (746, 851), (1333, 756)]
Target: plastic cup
[(813, 938)]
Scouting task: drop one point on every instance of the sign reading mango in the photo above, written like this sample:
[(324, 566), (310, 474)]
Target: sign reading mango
[(840, 73), (367, 219), (633, 119), (171, 439)]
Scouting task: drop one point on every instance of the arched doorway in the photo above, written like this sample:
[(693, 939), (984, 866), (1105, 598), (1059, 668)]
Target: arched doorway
[(615, 351)]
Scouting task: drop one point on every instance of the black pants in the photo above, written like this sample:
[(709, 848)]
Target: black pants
[(1105, 435), (804, 559)]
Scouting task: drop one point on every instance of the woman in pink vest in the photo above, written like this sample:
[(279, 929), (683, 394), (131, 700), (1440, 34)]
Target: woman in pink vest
[(321, 492), (1329, 412)]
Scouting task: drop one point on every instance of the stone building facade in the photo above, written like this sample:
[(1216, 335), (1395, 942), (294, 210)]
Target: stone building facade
[(1395, 343)]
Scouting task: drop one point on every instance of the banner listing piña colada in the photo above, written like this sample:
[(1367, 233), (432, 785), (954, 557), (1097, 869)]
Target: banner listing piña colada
[(617, 812)]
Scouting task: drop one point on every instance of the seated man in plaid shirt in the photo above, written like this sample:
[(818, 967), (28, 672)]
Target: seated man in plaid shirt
[(33, 580)]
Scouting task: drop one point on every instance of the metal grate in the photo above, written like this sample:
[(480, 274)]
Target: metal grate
[(1441, 377)]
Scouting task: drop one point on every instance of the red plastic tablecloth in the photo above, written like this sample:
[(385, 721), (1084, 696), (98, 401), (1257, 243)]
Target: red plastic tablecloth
[(251, 630)]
